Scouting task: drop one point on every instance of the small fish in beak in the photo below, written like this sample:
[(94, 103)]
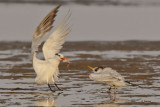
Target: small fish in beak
[(68, 63)]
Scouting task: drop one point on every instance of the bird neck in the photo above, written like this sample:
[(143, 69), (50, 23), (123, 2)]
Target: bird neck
[(34, 54), (54, 61)]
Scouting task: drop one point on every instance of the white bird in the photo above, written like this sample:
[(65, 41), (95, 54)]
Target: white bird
[(109, 77), (47, 70)]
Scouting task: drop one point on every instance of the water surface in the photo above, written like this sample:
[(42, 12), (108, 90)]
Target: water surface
[(137, 64)]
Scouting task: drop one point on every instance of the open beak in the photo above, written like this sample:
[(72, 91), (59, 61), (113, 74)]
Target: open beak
[(90, 68), (64, 58), (90, 73)]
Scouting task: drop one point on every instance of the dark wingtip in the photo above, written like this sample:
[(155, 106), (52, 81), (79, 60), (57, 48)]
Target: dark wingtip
[(58, 6), (133, 84)]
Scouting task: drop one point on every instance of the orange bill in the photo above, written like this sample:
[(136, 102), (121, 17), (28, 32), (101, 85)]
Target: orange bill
[(90, 67), (68, 63), (90, 73)]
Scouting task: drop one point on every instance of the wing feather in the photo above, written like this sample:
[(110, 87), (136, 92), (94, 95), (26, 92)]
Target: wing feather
[(104, 78), (57, 39), (44, 27)]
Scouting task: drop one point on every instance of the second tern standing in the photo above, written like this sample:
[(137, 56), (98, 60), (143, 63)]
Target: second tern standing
[(109, 77)]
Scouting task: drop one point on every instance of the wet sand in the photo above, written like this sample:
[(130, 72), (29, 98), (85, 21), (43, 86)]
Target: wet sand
[(137, 61)]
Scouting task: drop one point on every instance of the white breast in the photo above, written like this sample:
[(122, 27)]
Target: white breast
[(45, 70)]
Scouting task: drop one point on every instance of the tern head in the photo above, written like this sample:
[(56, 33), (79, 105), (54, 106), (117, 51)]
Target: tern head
[(62, 58), (59, 56), (96, 69)]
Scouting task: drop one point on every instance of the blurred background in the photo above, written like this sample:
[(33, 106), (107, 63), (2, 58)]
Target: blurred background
[(92, 20), (121, 34)]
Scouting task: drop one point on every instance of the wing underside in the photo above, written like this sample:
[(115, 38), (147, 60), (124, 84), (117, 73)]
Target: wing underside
[(57, 39), (44, 27)]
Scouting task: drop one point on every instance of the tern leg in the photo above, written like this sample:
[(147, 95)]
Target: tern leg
[(57, 87), (114, 93), (109, 90), (50, 88)]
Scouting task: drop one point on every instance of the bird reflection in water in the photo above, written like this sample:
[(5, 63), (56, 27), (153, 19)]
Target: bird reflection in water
[(48, 102), (112, 103)]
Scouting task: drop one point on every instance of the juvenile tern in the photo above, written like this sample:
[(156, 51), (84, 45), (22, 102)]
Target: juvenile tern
[(47, 70), (109, 77)]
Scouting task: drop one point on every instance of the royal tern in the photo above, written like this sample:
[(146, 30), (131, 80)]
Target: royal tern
[(47, 70), (109, 77)]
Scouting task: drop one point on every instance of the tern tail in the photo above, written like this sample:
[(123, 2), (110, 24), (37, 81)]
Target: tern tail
[(133, 84)]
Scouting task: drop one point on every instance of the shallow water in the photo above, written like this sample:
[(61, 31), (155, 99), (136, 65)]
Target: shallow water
[(141, 67)]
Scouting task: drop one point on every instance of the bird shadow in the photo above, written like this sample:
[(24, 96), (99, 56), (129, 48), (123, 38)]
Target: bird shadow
[(111, 102)]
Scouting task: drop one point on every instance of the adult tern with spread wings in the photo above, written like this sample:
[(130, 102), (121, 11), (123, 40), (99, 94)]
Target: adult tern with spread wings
[(47, 70)]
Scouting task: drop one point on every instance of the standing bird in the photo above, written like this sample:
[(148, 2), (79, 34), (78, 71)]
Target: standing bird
[(108, 76), (47, 70)]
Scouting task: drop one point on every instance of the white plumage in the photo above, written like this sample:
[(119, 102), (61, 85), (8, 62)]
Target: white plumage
[(57, 39), (47, 70), (107, 76)]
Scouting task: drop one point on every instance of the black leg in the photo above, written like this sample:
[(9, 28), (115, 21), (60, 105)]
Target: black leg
[(57, 87), (50, 88)]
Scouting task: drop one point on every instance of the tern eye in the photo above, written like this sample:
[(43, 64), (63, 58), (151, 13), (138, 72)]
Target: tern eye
[(96, 69), (57, 54)]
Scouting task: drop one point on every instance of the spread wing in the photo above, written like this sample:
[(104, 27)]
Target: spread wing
[(44, 27), (54, 43)]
